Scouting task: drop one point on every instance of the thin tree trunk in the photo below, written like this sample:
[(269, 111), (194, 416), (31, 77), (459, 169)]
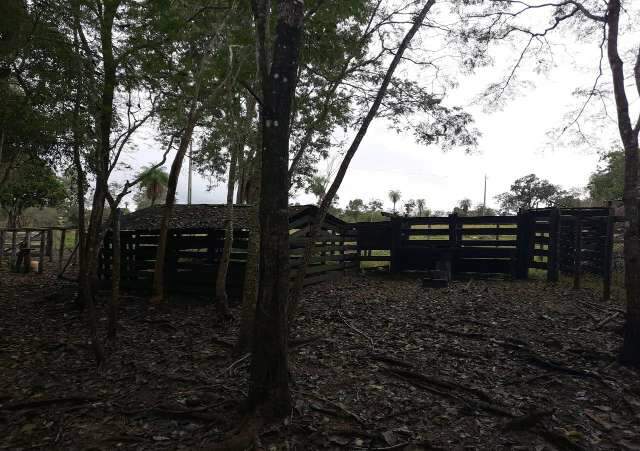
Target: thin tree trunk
[(252, 265), (112, 324), (333, 189), (158, 295), (269, 372), (222, 302), (77, 162), (630, 352)]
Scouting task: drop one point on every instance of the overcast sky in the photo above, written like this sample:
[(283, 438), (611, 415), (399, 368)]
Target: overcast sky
[(515, 141)]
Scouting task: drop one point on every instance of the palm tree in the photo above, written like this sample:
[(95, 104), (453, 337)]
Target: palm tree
[(394, 196), (420, 204), (154, 183)]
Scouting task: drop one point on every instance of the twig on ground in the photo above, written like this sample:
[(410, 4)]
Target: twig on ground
[(355, 328)]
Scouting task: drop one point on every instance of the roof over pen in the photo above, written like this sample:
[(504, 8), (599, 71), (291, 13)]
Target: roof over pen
[(205, 216)]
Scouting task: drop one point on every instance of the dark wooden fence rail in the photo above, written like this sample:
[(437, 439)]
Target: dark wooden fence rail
[(39, 242), (571, 241), (193, 256)]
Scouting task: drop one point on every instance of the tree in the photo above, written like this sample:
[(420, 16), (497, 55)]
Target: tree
[(463, 208), (317, 186), (607, 182), (394, 196), (448, 126), (602, 20), (409, 206), (31, 184), (374, 206), (354, 209), (421, 205), (153, 183), (529, 192), (269, 380)]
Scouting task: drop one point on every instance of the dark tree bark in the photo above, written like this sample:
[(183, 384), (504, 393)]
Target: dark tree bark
[(630, 353), (104, 123), (222, 301), (114, 304), (269, 382), (158, 295), (337, 181)]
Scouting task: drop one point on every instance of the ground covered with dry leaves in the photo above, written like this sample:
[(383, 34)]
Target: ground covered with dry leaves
[(378, 363)]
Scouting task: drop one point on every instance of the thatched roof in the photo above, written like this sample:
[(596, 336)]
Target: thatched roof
[(199, 216)]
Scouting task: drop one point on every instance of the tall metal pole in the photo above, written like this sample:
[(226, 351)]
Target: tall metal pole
[(484, 201), (190, 172)]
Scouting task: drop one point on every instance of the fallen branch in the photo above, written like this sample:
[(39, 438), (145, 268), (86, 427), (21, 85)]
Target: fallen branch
[(392, 360), (423, 383), (47, 402), (355, 328), (607, 320), (335, 405)]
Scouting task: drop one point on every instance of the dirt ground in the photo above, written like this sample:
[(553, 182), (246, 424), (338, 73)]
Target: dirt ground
[(377, 363)]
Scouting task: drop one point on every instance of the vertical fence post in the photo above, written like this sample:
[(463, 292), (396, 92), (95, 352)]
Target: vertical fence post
[(553, 267), (13, 247), (63, 237), (607, 264), (27, 238), (577, 252), (522, 245), (396, 231), (76, 240), (43, 251), (1, 246), (49, 250)]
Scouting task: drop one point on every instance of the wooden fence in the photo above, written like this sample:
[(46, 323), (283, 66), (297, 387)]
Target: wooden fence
[(193, 256), (44, 245), (571, 241), (568, 240)]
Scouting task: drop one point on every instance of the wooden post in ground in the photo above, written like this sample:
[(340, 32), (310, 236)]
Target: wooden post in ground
[(523, 239), (396, 237), (50, 244), (43, 251), (553, 263), (577, 252), (27, 239), (1, 246), (63, 237), (76, 239), (607, 264), (14, 245)]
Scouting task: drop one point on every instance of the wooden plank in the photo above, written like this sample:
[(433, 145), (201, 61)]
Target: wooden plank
[(577, 256), (553, 249), (488, 220), (63, 237), (43, 252), (608, 257), (496, 243), (490, 231), (425, 232)]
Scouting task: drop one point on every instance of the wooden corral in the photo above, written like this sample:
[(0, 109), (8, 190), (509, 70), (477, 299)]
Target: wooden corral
[(40, 245), (544, 239), (196, 239)]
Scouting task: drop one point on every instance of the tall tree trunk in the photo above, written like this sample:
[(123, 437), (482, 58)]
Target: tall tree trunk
[(87, 275), (269, 380), (158, 295), (114, 303), (222, 302), (252, 266), (333, 189), (77, 160), (630, 352)]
